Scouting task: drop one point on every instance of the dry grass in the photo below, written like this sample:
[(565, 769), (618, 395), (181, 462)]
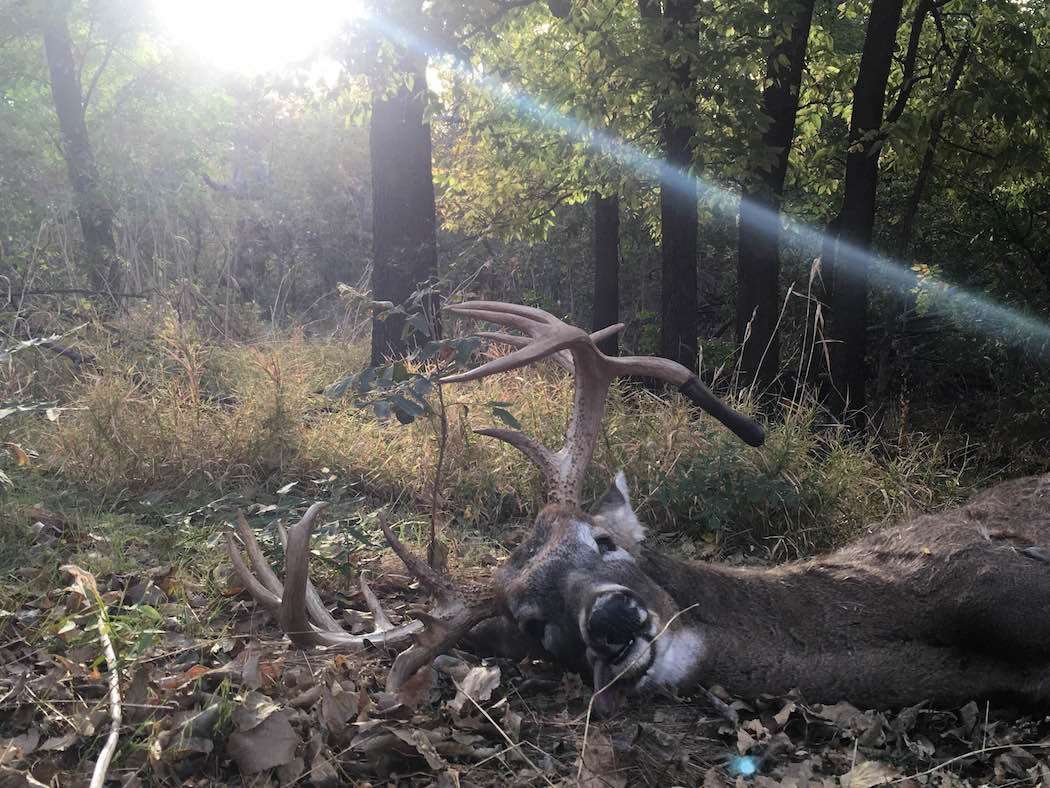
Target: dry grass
[(190, 414)]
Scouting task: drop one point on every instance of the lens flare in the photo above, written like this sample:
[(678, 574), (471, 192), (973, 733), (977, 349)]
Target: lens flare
[(984, 315), (743, 766)]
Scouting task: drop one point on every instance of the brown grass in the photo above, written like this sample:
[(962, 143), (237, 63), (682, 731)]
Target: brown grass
[(190, 414)]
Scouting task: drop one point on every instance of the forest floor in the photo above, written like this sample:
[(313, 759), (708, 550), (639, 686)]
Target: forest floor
[(212, 695)]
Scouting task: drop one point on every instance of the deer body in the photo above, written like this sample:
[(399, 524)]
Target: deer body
[(946, 607)]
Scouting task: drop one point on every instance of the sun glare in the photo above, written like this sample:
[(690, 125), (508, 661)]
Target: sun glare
[(254, 35)]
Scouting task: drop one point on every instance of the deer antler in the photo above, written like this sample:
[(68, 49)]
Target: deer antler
[(576, 350), (308, 623), (299, 609)]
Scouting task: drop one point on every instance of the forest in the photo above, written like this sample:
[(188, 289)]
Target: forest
[(246, 250)]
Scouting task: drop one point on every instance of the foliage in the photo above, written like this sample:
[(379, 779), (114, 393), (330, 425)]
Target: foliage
[(215, 417)]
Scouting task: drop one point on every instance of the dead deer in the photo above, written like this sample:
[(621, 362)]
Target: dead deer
[(946, 607), (296, 603)]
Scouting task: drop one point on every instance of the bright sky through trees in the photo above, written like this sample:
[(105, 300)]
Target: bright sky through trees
[(254, 35)]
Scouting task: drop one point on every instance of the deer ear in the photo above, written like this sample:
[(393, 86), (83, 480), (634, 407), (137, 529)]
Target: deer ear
[(614, 511)]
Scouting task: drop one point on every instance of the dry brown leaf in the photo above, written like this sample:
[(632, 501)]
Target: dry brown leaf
[(867, 774), (478, 685), (415, 689), (182, 679), (338, 707), (255, 709), (598, 769), (269, 744)]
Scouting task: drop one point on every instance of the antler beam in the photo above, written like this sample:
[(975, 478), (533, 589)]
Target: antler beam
[(296, 603), (308, 623), (548, 337)]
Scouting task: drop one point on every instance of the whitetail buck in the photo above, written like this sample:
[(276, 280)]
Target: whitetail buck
[(946, 607)]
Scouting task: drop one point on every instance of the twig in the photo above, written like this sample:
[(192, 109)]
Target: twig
[(627, 667), (438, 477), (85, 583), (503, 733), (964, 756)]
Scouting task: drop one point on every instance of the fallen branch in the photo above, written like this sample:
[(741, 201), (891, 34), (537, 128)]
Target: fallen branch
[(85, 584)]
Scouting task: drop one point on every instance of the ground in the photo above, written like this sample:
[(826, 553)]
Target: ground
[(211, 694)]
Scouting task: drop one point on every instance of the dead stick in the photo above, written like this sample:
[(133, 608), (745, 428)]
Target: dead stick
[(86, 585)]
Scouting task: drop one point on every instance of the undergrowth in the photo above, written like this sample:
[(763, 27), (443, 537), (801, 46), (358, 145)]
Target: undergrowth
[(191, 415)]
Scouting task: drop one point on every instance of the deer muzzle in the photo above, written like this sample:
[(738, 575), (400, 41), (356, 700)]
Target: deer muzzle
[(618, 630), (615, 621)]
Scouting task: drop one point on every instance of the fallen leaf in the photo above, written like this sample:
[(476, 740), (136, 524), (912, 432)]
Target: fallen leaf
[(182, 679), (869, 773), (478, 686), (21, 458), (255, 709), (269, 744), (338, 707), (597, 763)]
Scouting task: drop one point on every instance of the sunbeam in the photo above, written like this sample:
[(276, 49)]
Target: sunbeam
[(985, 315)]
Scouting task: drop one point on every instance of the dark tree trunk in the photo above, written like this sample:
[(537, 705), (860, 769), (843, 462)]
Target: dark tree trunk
[(900, 304), (403, 221), (758, 261), (849, 299), (679, 307), (605, 243), (94, 213)]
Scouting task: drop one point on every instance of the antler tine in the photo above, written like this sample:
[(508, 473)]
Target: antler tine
[(530, 312), (520, 322), (745, 428), (439, 636), (314, 606), (296, 602), (255, 555), (416, 566), (260, 593), (539, 348), (562, 357), (594, 373), (531, 448)]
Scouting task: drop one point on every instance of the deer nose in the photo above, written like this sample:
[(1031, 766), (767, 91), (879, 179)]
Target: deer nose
[(615, 620), (534, 627)]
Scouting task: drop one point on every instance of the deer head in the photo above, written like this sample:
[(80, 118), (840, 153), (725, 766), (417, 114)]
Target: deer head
[(568, 555), (575, 584)]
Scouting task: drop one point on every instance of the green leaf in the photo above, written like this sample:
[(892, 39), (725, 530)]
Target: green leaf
[(506, 417)]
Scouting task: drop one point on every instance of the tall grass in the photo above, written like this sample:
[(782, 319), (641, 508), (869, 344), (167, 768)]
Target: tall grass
[(193, 414)]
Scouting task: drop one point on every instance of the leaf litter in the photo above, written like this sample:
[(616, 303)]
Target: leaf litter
[(235, 705)]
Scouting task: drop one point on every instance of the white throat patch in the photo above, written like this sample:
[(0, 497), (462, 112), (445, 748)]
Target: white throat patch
[(678, 653)]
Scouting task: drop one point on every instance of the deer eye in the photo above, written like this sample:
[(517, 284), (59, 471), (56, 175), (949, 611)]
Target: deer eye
[(605, 544)]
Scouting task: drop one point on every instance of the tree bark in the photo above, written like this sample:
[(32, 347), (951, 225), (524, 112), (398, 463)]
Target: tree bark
[(404, 233), (605, 244), (901, 304), (758, 261), (679, 308), (93, 211), (849, 298)]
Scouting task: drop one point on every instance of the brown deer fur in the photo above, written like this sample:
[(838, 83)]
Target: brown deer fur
[(946, 607)]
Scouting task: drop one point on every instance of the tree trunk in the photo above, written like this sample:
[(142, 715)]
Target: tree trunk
[(758, 261), (679, 307), (94, 213), (849, 299), (605, 243), (900, 304), (403, 219)]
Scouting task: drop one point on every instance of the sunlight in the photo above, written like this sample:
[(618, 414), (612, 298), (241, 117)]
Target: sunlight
[(983, 313), (254, 36)]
